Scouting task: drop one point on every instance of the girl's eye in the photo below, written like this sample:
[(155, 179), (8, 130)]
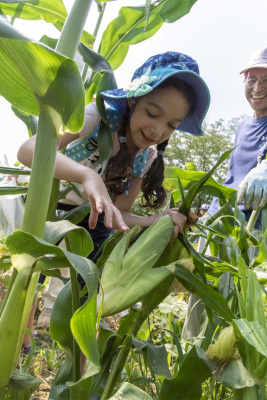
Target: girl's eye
[(151, 115), (172, 127)]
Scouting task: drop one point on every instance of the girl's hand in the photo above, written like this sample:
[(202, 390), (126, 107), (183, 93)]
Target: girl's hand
[(180, 220), (100, 201)]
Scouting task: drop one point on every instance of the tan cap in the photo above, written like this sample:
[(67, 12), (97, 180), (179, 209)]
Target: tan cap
[(257, 60)]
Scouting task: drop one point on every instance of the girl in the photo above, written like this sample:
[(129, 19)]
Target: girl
[(166, 93)]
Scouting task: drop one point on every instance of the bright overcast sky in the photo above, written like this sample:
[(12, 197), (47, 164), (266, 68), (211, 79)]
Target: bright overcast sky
[(219, 34)]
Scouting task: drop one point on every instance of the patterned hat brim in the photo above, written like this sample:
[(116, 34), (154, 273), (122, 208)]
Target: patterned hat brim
[(117, 99)]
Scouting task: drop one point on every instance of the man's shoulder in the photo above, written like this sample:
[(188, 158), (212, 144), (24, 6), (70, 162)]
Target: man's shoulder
[(252, 126), (252, 122)]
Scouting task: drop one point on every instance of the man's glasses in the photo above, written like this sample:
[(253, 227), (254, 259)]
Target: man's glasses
[(252, 82)]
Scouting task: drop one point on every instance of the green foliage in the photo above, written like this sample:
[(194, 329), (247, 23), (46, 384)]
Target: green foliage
[(203, 151), (142, 267)]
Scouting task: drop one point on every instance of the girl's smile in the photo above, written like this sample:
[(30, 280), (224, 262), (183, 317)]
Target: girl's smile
[(155, 117)]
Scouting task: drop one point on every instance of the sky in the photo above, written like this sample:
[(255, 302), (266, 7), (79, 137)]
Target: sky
[(219, 34)]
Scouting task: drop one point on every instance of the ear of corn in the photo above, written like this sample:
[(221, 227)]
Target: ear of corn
[(149, 246), (113, 264), (223, 349), (128, 275), (129, 292)]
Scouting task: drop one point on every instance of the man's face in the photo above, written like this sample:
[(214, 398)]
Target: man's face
[(256, 91), (202, 212)]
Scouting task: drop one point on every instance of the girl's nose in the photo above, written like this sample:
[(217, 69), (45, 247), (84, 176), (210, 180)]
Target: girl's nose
[(157, 131)]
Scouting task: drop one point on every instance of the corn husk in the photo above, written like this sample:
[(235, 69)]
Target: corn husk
[(128, 273), (224, 348), (176, 286)]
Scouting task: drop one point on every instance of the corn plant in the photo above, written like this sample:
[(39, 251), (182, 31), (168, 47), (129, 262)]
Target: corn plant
[(45, 82)]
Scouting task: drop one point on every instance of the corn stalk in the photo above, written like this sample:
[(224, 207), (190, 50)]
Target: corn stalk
[(20, 298)]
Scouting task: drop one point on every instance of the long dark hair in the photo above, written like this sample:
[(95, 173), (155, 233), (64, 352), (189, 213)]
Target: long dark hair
[(119, 168)]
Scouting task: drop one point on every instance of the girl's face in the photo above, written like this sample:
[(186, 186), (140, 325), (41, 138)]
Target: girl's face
[(155, 117)]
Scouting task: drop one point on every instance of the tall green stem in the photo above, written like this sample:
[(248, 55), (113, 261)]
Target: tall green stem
[(11, 325), (122, 356), (19, 302), (42, 174), (97, 26), (73, 28), (75, 306), (253, 219)]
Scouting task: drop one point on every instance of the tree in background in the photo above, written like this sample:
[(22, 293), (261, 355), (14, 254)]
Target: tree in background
[(203, 151)]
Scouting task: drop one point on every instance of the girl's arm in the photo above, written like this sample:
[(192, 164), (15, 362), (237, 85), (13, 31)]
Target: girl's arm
[(69, 170), (124, 203)]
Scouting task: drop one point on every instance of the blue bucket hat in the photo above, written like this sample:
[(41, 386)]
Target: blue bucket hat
[(156, 70)]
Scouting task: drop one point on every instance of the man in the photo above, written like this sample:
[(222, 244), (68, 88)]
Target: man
[(203, 209), (248, 165)]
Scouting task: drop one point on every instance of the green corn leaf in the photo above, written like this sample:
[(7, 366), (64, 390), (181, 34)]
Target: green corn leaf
[(210, 297), (6, 190), (253, 333), (178, 346), (40, 76), (261, 370), (21, 386), (29, 120), (157, 295), (61, 332), (61, 317), (53, 12), (235, 376), (76, 215), (48, 41), (127, 391), (209, 229), (156, 355), (14, 171), (189, 178), (105, 141), (242, 295), (196, 256), (81, 240), (147, 9), (254, 305), (84, 320), (262, 255), (195, 189), (181, 190), (128, 27), (108, 247), (21, 243), (186, 385), (107, 81)]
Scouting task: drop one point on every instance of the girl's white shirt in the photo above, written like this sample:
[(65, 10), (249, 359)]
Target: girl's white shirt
[(91, 120)]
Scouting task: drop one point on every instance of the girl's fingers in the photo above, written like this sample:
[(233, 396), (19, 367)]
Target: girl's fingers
[(179, 220), (112, 214), (119, 220), (93, 216)]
